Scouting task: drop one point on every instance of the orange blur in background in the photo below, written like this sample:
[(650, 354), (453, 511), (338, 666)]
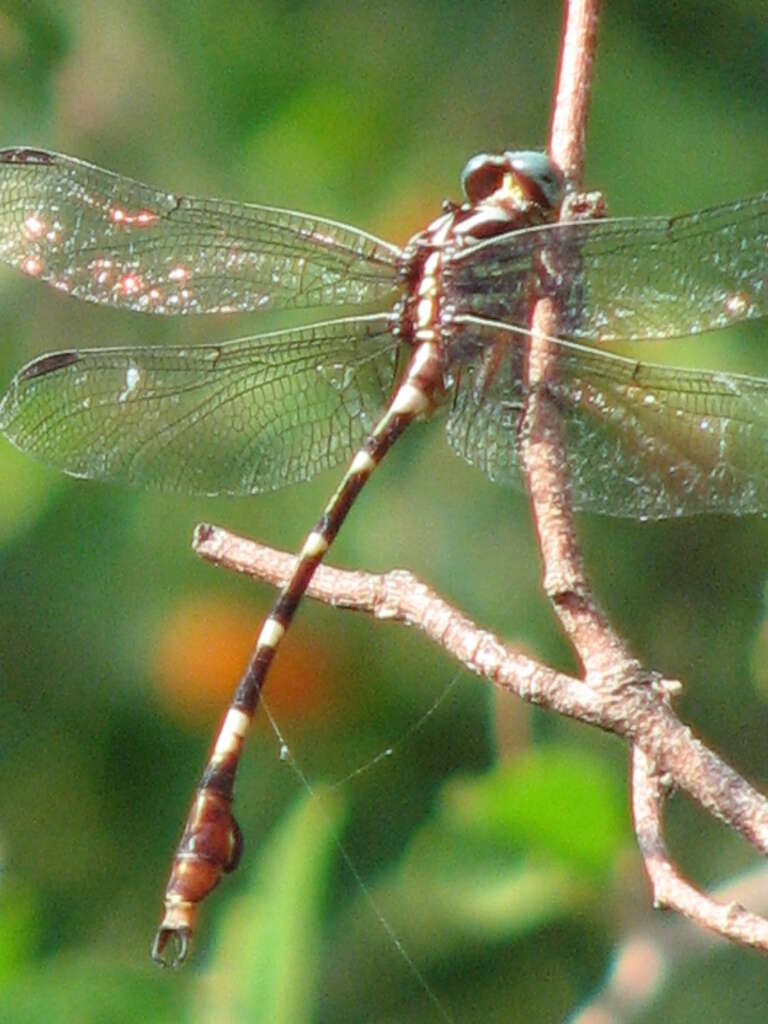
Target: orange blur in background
[(204, 645)]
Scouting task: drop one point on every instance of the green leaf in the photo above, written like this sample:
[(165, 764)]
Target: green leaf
[(89, 990), (559, 802), (28, 489), (20, 928), (465, 879)]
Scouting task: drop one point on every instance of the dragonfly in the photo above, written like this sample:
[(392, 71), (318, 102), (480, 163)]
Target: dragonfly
[(440, 324)]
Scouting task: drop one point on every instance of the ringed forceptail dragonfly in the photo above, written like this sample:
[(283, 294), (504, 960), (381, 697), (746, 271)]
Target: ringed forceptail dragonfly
[(440, 324)]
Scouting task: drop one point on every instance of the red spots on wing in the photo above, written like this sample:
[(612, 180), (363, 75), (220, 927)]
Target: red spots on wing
[(203, 647), (33, 226), (129, 284), (133, 286), (321, 238), (737, 305), (32, 266), (138, 218), (178, 274)]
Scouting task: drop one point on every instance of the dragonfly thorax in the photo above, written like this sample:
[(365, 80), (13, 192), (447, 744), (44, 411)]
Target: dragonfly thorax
[(505, 193)]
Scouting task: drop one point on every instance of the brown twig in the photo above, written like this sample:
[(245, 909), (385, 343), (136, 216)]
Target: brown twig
[(606, 658), (670, 890)]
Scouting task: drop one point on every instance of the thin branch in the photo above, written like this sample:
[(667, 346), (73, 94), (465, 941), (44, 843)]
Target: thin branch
[(400, 597), (570, 111), (670, 890), (606, 658)]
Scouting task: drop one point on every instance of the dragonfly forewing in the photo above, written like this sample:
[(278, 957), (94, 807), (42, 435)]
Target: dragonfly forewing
[(108, 239), (240, 418), (629, 278)]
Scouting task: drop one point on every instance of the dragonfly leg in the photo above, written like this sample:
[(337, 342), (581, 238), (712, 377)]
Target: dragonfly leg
[(211, 843)]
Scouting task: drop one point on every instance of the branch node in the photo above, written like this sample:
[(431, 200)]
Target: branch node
[(667, 689), (583, 206)]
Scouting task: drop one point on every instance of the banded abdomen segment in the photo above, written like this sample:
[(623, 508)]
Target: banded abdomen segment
[(210, 844)]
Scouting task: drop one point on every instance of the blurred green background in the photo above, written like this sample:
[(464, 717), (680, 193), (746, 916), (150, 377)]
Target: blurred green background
[(495, 841)]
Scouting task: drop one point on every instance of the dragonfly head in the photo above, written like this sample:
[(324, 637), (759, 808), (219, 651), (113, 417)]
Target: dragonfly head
[(513, 177)]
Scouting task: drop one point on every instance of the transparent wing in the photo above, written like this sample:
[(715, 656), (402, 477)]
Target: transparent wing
[(112, 240), (239, 418), (629, 278), (643, 441)]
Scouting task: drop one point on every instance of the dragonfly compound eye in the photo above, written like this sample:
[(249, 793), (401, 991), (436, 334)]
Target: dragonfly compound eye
[(482, 176), (543, 181)]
